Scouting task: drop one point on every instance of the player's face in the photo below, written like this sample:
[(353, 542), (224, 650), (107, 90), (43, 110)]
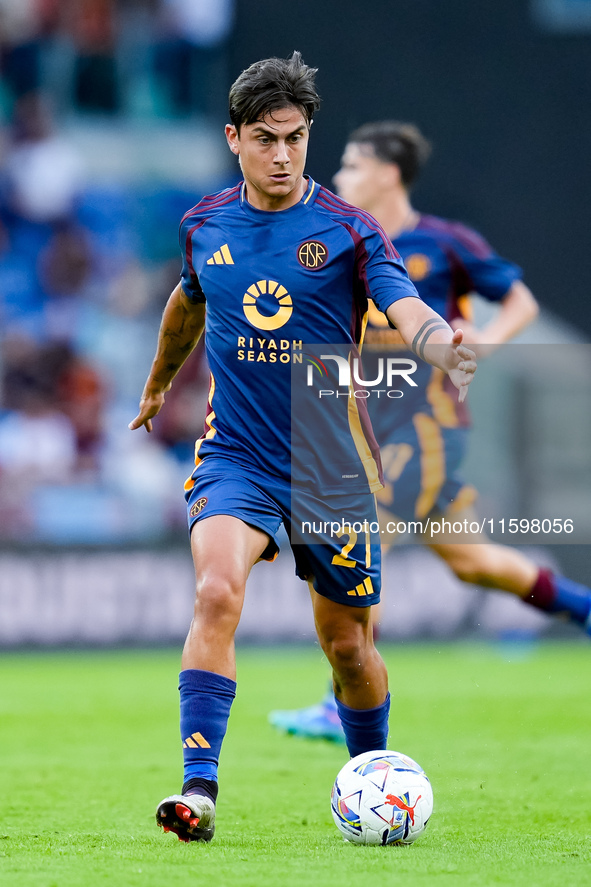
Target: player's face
[(362, 178), (272, 156)]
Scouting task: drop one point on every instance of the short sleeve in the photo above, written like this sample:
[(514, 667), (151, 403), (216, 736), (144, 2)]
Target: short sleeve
[(189, 280), (487, 273), (381, 270)]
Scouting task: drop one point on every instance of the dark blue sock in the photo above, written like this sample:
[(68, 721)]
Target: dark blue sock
[(206, 699), (556, 594), (365, 729)]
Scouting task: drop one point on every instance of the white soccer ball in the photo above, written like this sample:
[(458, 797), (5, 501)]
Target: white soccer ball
[(382, 797)]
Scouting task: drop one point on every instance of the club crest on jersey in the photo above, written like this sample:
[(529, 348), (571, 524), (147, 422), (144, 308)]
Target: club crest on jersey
[(277, 309), (198, 506), (418, 266), (312, 255)]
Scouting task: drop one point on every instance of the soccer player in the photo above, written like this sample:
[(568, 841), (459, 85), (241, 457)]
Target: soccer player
[(423, 441), (269, 265)]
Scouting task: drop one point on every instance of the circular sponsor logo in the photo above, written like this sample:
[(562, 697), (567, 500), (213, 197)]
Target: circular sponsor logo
[(418, 266), (312, 255), (198, 506), (280, 302)]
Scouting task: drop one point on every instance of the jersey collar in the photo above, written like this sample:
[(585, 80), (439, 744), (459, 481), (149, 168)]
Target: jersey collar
[(307, 197)]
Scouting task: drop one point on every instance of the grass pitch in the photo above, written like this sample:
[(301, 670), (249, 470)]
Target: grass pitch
[(89, 744)]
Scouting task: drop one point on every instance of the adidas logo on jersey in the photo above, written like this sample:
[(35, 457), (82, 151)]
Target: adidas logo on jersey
[(222, 256)]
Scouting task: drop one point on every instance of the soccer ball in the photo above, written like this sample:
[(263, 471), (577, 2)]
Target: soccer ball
[(382, 797)]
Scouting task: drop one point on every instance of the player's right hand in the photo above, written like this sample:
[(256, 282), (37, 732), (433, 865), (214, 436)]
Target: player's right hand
[(460, 364)]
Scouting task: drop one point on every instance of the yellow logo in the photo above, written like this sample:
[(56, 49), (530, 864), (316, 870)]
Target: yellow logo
[(196, 741), (312, 254), (222, 256), (284, 305), (362, 589), (418, 266), (198, 506)]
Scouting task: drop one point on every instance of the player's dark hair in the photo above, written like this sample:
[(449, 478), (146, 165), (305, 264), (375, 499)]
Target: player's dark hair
[(273, 84), (396, 142)]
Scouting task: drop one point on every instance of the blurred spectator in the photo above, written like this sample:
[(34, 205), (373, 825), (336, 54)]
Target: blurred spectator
[(92, 24), (43, 172), (37, 441), (53, 392), (23, 26), (66, 262), (137, 22), (66, 283), (80, 300), (183, 413), (81, 396), (191, 60)]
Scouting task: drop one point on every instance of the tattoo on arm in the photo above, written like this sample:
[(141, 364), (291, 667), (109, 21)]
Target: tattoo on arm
[(424, 334)]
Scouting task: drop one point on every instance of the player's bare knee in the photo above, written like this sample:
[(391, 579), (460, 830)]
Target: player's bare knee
[(348, 656), (473, 563), (465, 572), (218, 599)]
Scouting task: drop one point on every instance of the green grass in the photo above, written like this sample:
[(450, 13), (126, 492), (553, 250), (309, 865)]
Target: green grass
[(89, 744)]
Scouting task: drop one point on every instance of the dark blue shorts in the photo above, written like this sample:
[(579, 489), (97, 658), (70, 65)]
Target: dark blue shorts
[(421, 462), (335, 541)]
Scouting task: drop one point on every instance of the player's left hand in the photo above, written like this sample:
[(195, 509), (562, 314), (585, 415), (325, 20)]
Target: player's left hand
[(460, 364), (150, 405)]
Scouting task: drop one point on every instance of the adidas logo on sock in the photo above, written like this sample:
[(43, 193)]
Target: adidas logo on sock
[(196, 740)]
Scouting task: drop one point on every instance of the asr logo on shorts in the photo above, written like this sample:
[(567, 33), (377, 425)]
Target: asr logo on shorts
[(312, 255), (275, 301), (198, 506)]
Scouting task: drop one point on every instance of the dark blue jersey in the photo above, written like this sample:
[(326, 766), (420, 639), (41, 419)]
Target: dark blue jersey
[(446, 261), (274, 282)]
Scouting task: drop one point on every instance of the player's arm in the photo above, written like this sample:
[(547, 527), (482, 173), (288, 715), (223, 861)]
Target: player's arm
[(518, 308), (180, 330), (433, 340)]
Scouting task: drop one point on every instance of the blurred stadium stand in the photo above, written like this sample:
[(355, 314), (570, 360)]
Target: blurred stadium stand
[(104, 147), (112, 127)]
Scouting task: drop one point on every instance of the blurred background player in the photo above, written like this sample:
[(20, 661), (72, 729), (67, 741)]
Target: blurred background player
[(424, 439)]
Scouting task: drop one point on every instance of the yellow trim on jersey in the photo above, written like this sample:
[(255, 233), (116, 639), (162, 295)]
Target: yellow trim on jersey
[(377, 317), (432, 462), (465, 307), (361, 445), (359, 439), (442, 403), (190, 483), (311, 187), (466, 497), (364, 321), (394, 460)]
